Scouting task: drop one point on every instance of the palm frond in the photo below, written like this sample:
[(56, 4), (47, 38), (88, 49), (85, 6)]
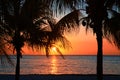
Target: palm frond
[(4, 56), (110, 4), (46, 39), (35, 8), (68, 22), (112, 31), (60, 6), (4, 44)]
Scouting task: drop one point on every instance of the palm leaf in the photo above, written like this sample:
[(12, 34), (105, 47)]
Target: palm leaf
[(68, 22), (35, 8), (3, 53), (112, 31), (60, 6), (110, 4)]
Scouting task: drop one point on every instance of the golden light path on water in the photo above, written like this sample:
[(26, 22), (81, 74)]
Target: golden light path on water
[(53, 66)]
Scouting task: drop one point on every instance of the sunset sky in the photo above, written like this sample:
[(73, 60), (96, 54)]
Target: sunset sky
[(85, 44), (82, 44)]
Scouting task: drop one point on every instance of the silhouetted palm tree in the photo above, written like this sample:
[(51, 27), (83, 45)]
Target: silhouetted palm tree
[(98, 19), (103, 26), (17, 24), (21, 23)]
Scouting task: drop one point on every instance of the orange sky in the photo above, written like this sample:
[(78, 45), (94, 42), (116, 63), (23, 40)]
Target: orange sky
[(83, 44)]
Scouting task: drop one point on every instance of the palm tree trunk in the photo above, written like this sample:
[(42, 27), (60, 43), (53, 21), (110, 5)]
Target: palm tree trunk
[(17, 65), (18, 53), (99, 55)]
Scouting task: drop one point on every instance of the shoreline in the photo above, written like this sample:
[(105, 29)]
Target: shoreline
[(59, 77)]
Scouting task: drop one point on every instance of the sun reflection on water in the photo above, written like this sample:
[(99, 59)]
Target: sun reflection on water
[(54, 68)]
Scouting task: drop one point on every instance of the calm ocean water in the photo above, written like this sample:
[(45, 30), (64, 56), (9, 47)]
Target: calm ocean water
[(57, 65)]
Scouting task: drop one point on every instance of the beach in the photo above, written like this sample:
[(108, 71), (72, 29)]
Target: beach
[(58, 77)]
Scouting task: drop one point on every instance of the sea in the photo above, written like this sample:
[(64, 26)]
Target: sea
[(58, 65)]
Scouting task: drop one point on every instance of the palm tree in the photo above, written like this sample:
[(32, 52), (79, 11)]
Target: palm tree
[(21, 23), (99, 20), (16, 23)]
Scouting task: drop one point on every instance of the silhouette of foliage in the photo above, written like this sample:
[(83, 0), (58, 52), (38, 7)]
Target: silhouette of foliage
[(21, 23), (98, 20)]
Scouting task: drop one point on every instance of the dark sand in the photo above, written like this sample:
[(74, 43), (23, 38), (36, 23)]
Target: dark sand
[(58, 77)]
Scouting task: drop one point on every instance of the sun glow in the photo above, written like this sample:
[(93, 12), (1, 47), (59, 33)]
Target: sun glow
[(54, 49)]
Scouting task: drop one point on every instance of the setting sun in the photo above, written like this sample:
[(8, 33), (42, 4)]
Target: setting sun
[(54, 49)]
